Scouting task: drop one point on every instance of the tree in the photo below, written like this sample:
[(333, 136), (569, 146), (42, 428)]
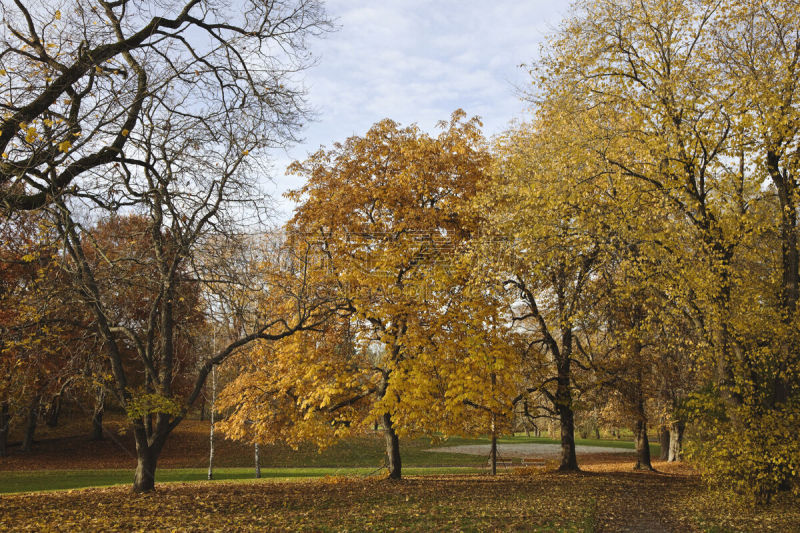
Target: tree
[(479, 356), (152, 342), (682, 109), (550, 246), (172, 129), (42, 342), (385, 208), (77, 82)]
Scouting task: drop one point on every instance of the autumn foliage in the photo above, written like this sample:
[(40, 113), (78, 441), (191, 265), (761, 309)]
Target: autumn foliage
[(627, 254)]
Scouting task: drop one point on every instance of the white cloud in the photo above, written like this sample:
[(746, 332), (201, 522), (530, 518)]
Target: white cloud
[(417, 61)]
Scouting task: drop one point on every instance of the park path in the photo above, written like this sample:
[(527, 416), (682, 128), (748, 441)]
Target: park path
[(525, 449)]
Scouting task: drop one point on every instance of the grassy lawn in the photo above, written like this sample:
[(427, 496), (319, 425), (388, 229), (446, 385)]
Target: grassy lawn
[(367, 451), (48, 480), (357, 456), (72, 462)]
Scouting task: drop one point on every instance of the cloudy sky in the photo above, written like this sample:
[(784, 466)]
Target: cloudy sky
[(417, 61)]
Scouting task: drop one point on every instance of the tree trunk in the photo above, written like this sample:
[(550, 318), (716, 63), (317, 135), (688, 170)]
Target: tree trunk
[(258, 461), (392, 447), (790, 294), (676, 441), (4, 424), (148, 449), (663, 440), (211, 417), (30, 425), (642, 446), (53, 411), (144, 479), (493, 454), (97, 414), (569, 461)]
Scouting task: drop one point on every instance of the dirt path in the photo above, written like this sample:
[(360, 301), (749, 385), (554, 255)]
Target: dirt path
[(527, 449)]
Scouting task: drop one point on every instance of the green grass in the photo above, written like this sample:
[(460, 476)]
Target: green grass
[(360, 451), (356, 456), (48, 480), (366, 451), (369, 450)]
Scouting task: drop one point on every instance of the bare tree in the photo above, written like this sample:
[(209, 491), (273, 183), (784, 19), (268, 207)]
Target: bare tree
[(161, 110), (152, 378), (76, 83)]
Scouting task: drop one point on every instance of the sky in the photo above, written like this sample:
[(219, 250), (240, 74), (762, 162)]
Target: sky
[(416, 61)]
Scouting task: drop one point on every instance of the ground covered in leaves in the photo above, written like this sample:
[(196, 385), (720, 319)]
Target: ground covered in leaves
[(605, 497)]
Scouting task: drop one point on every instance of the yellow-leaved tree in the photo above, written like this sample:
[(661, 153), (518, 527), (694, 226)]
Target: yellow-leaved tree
[(695, 102), (548, 245), (388, 214)]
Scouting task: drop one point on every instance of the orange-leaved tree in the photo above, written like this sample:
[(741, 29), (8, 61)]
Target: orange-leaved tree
[(43, 344), (387, 212)]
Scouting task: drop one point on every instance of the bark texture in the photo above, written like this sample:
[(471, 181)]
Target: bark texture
[(676, 441), (144, 479), (663, 440), (642, 446), (569, 461), (53, 411), (493, 454), (392, 448)]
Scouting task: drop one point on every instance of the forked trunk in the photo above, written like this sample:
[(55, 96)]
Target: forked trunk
[(144, 479), (148, 450), (392, 447), (676, 441), (642, 447)]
